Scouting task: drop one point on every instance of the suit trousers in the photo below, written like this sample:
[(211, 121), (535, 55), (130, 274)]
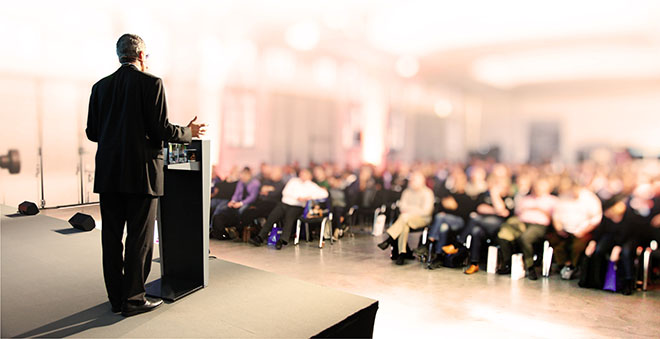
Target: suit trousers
[(402, 226), (125, 270), (287, 215)]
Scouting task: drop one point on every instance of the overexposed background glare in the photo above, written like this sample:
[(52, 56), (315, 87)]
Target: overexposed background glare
[(335, 81)]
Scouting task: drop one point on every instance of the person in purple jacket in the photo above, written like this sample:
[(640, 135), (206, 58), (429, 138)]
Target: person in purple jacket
[(227, 223)]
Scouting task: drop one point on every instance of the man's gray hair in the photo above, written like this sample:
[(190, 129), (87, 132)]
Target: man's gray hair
[(129, 47)]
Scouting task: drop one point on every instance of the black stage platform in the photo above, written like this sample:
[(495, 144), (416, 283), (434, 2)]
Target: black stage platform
[(52, 286)]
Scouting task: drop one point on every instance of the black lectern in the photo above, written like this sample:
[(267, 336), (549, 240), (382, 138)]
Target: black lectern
[(183, 224)]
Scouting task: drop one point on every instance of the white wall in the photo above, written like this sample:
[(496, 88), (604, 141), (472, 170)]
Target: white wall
[(616, 118)]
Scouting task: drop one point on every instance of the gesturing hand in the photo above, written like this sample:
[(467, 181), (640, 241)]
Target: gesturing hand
[(196, 129)]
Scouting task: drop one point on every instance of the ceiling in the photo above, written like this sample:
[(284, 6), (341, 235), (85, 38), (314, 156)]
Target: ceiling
[(505, 44)]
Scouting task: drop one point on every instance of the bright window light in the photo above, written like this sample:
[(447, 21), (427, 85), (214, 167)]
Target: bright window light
[(303, 36)]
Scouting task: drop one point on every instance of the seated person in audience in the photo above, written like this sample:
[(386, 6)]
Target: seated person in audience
[(399, 181), (222, 192), (533, 217), (390, 183), (338, 202), (295, 195), (270, 194), (246, 191), (215, 181), (288, 173), (576, 215), (388, 176), (523, 185), (453, 212), (493, 207), (416, 207), (361, 192), (245, 194), (477, 183), (264, 172), (606, 245), (320, 178), (643, 227)]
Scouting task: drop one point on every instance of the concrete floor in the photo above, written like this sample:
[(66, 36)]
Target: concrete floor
[(445, 302)]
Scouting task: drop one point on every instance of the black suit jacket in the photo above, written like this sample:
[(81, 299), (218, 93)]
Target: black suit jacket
[(128, 119)]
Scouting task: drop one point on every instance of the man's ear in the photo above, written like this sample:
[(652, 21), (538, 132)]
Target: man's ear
[(142, 59)]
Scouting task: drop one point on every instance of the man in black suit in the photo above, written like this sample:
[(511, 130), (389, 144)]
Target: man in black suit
[(128, 119)]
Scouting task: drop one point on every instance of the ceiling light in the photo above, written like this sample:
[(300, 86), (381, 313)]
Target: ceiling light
[(407, 66), (303, 36), (443, 108)]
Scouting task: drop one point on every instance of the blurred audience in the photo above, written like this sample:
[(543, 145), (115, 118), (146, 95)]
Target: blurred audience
[(602, 214)]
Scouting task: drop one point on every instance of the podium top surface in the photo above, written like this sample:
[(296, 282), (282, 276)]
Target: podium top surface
[(185, 166)]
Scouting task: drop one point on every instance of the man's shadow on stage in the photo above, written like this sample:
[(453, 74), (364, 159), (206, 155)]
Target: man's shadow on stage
[(97, 316)]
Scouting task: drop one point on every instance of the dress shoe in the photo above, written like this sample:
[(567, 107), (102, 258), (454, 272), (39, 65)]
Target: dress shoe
[(385, 244), (130, 309), (472, 269), (401, 260), (627, 288), (278, 245), (531, 274), (232, 232), (116, 309), (450, 249), (504, 270), (256, 241)]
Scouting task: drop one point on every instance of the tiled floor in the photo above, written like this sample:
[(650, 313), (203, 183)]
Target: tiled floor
[(445, 302)]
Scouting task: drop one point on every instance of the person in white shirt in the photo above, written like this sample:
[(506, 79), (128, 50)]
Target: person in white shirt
[(295, 195), (576, 215), (416, 207)]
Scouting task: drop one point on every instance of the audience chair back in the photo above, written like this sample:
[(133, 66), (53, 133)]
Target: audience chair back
[(321, 220)]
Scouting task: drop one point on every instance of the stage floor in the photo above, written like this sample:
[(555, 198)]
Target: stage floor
[(52, 285)]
